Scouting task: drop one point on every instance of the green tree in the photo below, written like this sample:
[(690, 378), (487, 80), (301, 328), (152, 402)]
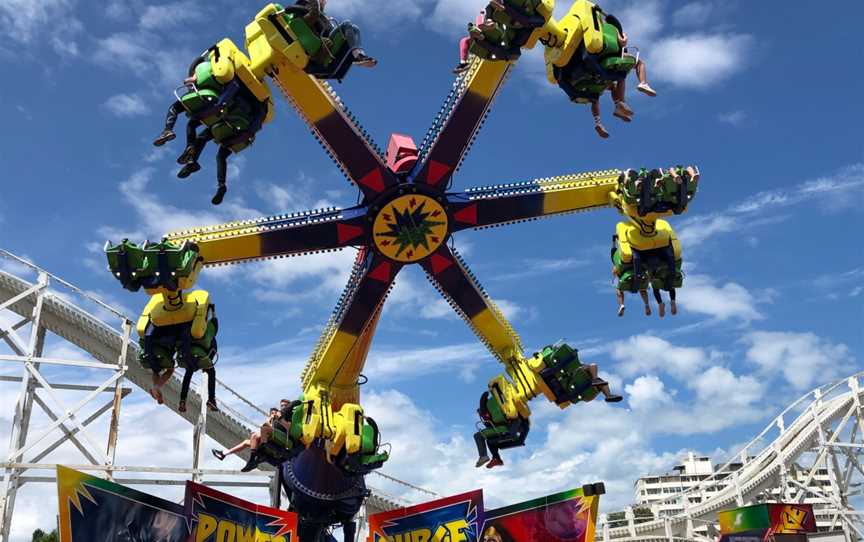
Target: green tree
[(41, 536)]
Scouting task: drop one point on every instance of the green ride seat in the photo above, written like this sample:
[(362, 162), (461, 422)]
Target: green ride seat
[(660, 279), (203, 351), (151, 265), (565, 375), (329, 55), (280, 447), (628, 281), (127, 262), (370, 456)]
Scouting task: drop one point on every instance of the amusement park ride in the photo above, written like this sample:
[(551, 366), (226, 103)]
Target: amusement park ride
[(407, 215)]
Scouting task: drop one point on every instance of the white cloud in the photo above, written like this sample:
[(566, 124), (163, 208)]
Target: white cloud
[(169, 15), (126, 105), (804, 359), (400, 364), (703, 294), (647, 353), (698, 60), (369, 11), (451, 17), (835, 191), (557, 457), (646, 392), (732, 118), (26, 22), (693, 14)]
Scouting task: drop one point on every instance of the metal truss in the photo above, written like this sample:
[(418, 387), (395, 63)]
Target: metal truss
[(812, 452), (34, 310)]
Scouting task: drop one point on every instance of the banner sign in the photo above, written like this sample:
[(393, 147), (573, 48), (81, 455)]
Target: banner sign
[(452, 519), (218, 517), (92, 509), (768, 519), (564, 517)]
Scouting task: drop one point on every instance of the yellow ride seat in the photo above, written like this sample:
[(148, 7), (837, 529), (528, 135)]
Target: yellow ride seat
[(631, 237), (190, 307), (580, 25)]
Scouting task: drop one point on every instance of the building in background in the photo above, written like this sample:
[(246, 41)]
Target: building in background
[(656, 492)]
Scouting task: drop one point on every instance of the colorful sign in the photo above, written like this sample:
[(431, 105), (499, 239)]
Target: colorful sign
[(218, 517), (93, 509), (563, 517), (452, 519), (768, 519)]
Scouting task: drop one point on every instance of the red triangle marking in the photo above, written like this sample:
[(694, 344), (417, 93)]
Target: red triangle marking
[(373, 180), (346, 232), (385, 243), (439, 263), (387, 217), (468, 215), (436, 172), (381, 273), (413, 202), (434, 239)]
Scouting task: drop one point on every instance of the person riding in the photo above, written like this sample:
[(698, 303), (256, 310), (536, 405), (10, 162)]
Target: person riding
[(254, 437), (496, 428), (244, 105), (177, 108), (325, 26), (626, 277), (618, 89)]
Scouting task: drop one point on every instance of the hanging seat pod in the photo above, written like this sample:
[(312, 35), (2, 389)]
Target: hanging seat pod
[(511, 29), (497, 429), (588, 75), (230, 111), (371, 455), (565, 375), (329, 47)]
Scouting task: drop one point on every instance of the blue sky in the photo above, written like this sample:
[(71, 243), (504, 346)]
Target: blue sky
[(772, 304)]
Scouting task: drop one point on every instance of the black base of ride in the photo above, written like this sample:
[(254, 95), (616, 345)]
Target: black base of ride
[(321, 494)]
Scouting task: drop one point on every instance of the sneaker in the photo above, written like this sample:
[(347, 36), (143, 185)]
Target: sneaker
[(494, 463), (155, 393), (614, 399), (188, 169), (621, 114), (661, 309), (164, 137), (645, 88), (211, 406), (482, 461), (252, 463), (621, 310), (460, 68), (601, 130), (694, 173), (218, 454), (181, 407), (220, 194), (363, 60), (187, 156), (623, 108)]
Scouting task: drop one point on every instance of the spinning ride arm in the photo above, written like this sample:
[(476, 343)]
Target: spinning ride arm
[(457, 124), (508, 203), (330, 380), (521, 382), (276, 54), (284, 235)]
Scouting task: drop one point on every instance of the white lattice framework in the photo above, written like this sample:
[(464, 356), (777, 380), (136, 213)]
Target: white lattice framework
[(821, 431), (37, 308)]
